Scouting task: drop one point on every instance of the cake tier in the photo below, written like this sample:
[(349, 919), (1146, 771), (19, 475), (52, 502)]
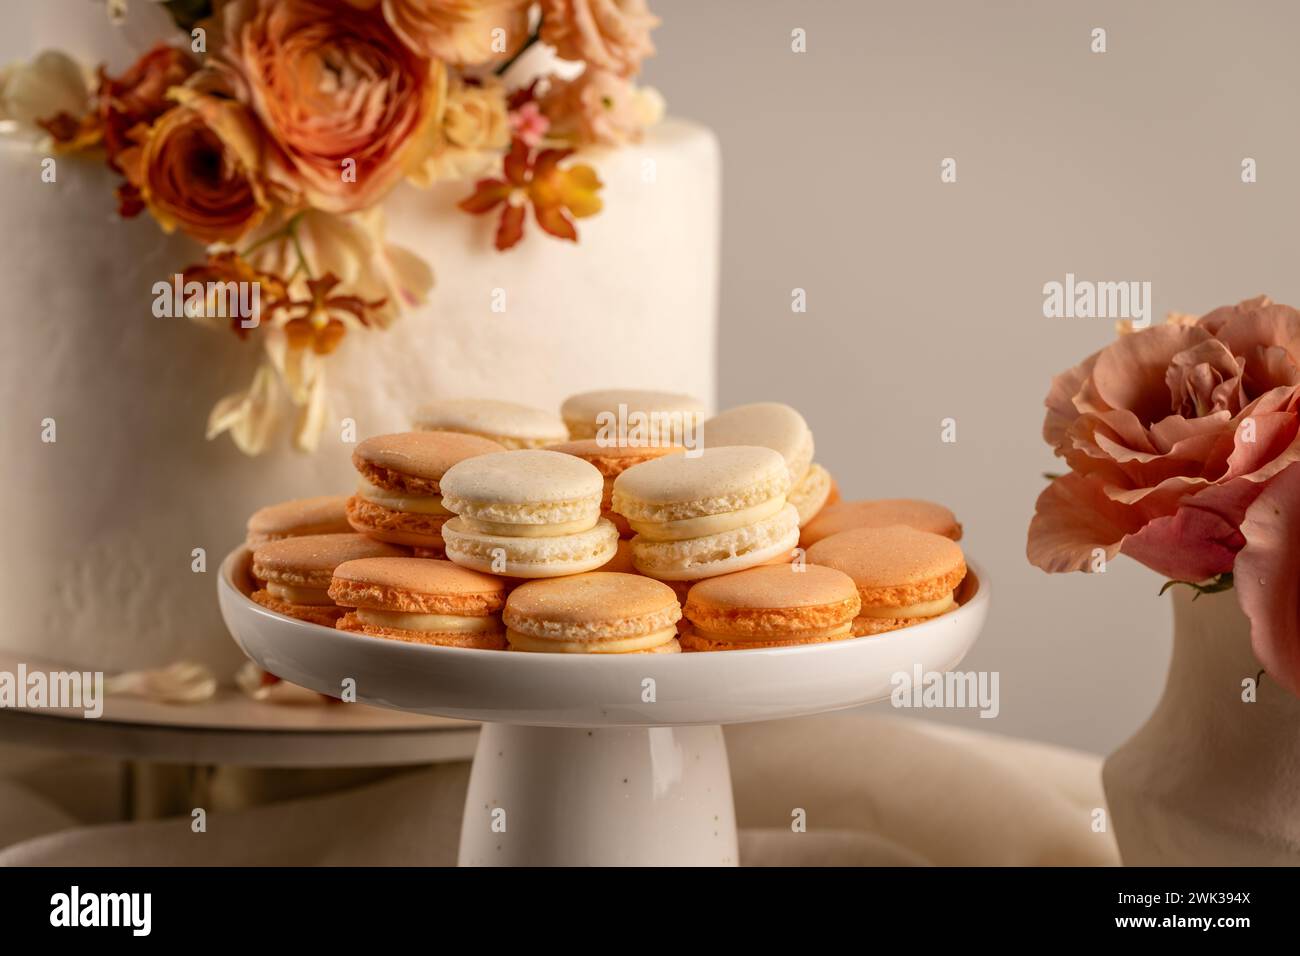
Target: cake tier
[(99, 554)]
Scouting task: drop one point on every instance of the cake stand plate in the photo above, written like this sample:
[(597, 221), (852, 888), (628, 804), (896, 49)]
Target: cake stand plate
[(599, 760)]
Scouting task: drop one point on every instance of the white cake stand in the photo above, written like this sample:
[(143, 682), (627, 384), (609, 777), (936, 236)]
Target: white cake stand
[(587, 760)]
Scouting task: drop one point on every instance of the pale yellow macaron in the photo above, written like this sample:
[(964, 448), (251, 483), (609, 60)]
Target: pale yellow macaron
[(598, 613), (781, 428), (509, 424), (722, 511), (904, 576), (529, 513), (626, 416)]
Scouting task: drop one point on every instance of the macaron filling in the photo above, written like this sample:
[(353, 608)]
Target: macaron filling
[(626, 645), (294, 594), (684, 528), (436, 623), (400, 500), (922, 609), (546, 530)]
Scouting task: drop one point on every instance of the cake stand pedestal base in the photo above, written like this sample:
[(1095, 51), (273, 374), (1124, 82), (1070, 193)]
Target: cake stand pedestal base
[(599, 796)]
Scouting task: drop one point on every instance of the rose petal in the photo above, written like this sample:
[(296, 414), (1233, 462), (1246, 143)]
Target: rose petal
[(1267, 578), (1072, 519)]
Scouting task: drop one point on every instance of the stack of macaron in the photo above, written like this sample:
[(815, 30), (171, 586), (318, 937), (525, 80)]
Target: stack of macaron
[(420, 601), (399, 494), (529, 513), (699, 516), (497, 526)]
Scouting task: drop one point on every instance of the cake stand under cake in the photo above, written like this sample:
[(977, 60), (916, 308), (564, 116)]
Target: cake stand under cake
[(599, 760)]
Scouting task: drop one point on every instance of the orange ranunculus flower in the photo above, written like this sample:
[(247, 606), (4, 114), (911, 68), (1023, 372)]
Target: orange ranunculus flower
[(342, 98), (459, 32), (197, 168), (139, 95), (610, 35)]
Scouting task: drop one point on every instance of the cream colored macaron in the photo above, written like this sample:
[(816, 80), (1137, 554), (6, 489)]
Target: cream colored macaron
[(599, 613), (779, 427), (722, 511), (509, 424), (649, 417), (529, 513)]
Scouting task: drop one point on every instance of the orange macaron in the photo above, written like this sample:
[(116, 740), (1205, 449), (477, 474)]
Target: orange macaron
[(296, 572), (880, 513), (771, 606), (398, 497), (326, 514), (904, 576), (421, 601), (611, 461), (599, 612)]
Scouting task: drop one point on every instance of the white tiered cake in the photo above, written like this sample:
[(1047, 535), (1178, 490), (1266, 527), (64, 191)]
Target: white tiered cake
[(104, 522)]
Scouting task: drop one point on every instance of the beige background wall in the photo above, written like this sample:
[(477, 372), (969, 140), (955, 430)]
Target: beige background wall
[(925, 300)]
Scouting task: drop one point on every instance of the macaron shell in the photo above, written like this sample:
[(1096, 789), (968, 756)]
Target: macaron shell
[(417, 585), (509, 424), (490, 641), (581, 412), (602, 605), (672, 647), (773, 603), (396, 527), (533, 486), (770, 540), (896, 566), (543, 557), (309, 561), (325, 514), (324, 615), (770, 424), (415, 462), (692, 642), (880, 513)]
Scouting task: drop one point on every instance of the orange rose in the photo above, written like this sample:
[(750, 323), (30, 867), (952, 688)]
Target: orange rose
[(196, 168), (341, 96), (610, 35), (139, 95), (460, 32)]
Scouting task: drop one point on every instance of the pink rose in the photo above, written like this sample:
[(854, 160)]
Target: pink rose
[(1180, 441), (610, 35), (600, 108), (341, 96)]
